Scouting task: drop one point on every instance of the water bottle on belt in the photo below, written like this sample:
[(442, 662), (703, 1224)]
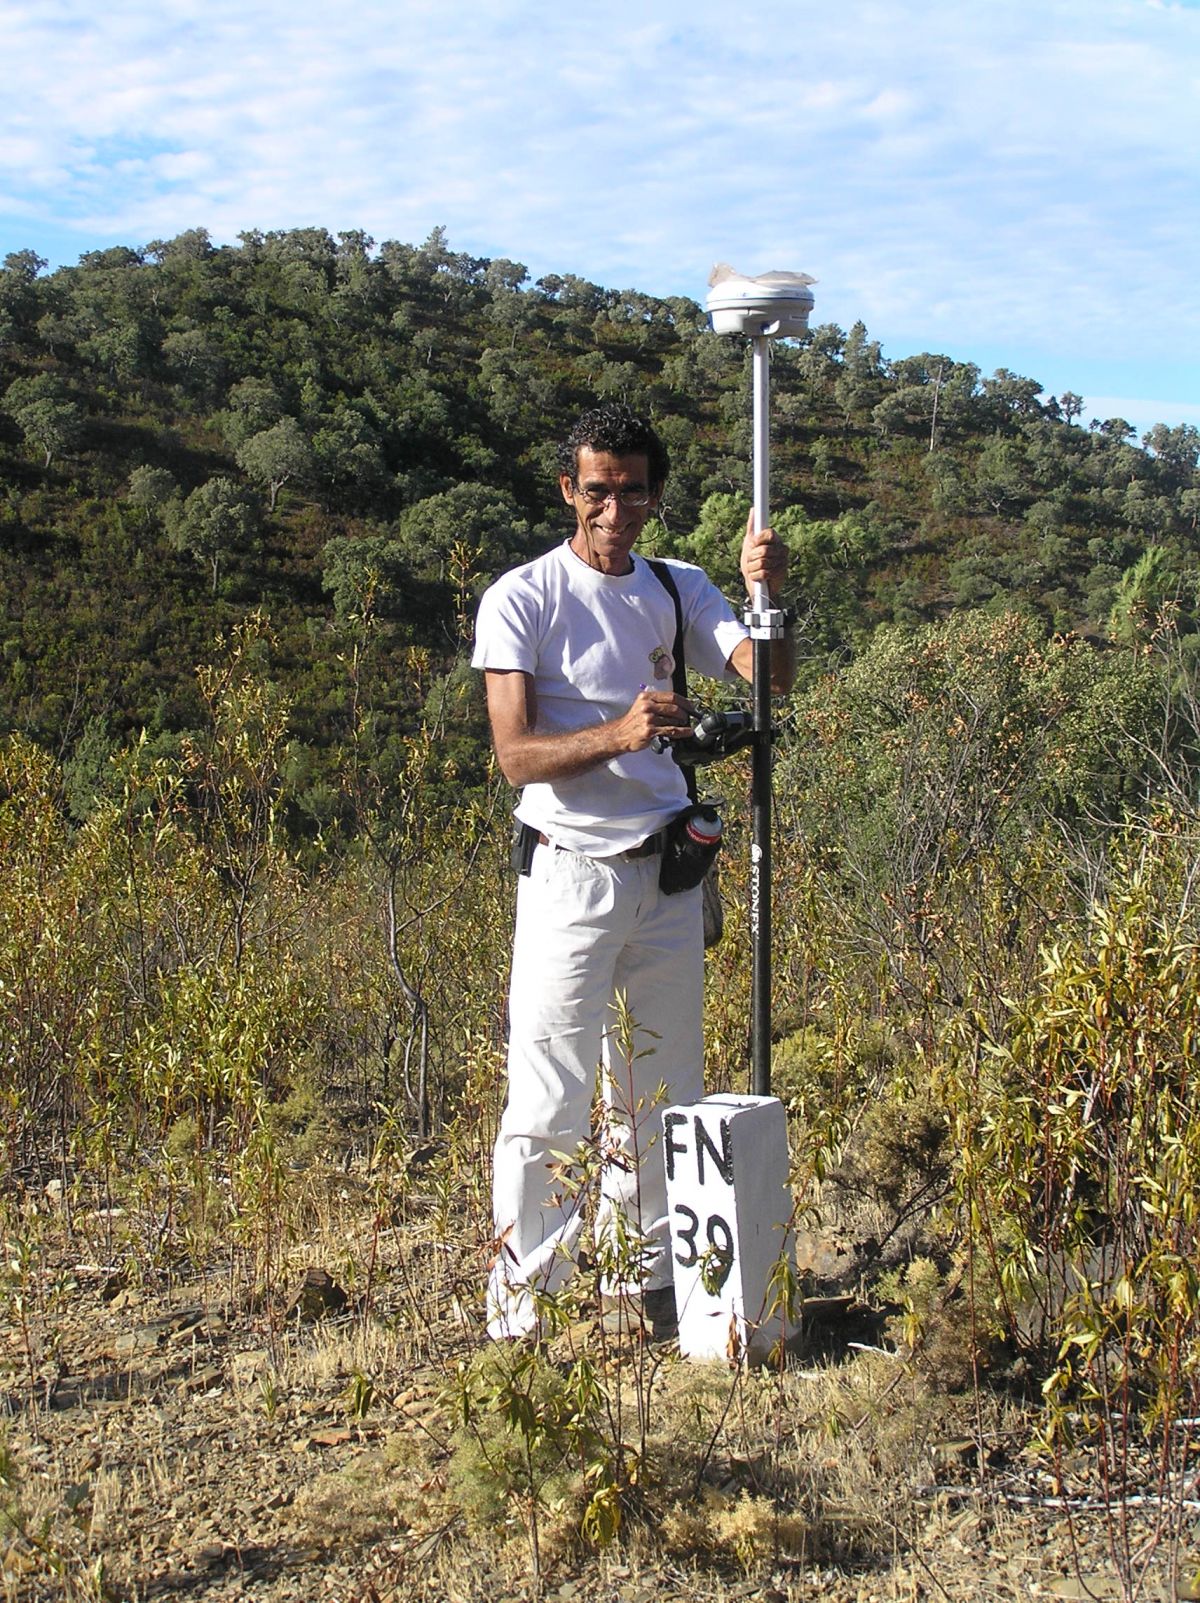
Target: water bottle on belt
[(693, 839)]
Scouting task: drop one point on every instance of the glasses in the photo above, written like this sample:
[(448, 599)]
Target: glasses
[(596, 496)]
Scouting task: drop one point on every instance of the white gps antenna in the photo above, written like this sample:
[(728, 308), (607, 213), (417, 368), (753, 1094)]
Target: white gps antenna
[(771, 306)]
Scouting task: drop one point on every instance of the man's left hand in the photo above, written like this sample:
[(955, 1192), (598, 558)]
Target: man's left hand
[(764, 559)]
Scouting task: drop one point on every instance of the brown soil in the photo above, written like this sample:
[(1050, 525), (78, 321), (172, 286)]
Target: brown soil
[(187, 1441)]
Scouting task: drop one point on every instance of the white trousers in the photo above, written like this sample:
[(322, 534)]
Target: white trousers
[(588, 928)]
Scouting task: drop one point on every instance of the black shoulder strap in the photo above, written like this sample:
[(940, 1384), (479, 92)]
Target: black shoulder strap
[(679, 673), (663, 574)]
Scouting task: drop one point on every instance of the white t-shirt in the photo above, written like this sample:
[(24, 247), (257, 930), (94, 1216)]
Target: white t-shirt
[(591, 642)]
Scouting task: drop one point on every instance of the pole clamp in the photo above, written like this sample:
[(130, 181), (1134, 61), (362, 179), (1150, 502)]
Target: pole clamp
[(769, 623)]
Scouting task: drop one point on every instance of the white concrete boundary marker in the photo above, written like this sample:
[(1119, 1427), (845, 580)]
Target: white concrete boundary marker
[(729, 1207)]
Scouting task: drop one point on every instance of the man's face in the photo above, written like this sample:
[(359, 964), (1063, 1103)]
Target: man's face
[(607, 529)]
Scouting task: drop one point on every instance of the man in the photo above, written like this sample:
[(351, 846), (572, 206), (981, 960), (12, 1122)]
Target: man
[(576, 649)]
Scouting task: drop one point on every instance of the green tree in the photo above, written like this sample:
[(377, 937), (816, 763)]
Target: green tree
[(19, 299), (195, 359), (858, 384), (1114, 428), (509, 308), (215, 519), (819, 360), (1009, 396), (1001, 475), (252, 405), (151, 488), (1176, 448), (1151, 590), (470, 522), (826, 573), (716, 541), (348, 454), (52, 427), (193, 245), (24, 265), (933, 392), (47, 417), (366, 577), (279, 455), (1148, 514)]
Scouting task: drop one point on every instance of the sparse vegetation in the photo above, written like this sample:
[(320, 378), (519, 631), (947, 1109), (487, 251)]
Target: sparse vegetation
[(254, 936), (211, 1075)]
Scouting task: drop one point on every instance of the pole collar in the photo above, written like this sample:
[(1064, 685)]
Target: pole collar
[(766, 623)]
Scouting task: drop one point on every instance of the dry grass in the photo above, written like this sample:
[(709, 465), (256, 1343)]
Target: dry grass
[(338, 1456)]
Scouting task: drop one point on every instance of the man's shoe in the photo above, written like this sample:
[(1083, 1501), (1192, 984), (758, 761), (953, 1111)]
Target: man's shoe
[(661, 1313), (655, 1309)]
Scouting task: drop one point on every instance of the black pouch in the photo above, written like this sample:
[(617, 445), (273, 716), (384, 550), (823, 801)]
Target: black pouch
[(524, 844), (693, 839)]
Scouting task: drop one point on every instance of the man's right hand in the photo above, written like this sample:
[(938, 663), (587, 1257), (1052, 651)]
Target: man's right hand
[(655, 715), (526, 757)]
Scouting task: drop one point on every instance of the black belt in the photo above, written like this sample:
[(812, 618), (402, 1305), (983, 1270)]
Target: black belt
[(650, 847)]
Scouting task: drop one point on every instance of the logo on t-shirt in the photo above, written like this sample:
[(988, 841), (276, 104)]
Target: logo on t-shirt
[(664, 662)]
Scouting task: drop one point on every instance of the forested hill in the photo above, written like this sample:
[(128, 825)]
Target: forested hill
[(356, 439)]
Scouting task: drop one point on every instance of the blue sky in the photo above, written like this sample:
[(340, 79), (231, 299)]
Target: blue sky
[(1013, 182)]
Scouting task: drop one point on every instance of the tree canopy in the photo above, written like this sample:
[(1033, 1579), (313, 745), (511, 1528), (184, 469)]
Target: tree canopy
[(311, 423)]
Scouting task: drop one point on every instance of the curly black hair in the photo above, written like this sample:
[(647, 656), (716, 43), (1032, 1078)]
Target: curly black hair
[(618, 430)]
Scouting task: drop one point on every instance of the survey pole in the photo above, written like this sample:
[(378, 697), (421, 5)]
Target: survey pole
[(764, 308), (763, 632)]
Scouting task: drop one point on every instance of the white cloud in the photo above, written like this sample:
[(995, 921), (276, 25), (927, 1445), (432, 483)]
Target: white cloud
[(949, 172)]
